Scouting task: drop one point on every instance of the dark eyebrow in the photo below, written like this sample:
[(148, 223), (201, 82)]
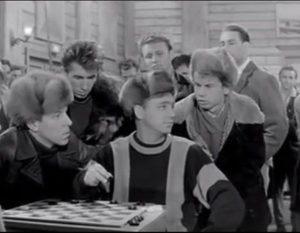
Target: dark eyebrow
[(77, 76), (91, 77)]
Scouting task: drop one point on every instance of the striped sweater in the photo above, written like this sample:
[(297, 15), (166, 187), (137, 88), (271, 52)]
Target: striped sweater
[(183, 181)]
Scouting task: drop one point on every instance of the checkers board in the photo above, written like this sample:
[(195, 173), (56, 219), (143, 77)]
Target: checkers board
[(82, 214)]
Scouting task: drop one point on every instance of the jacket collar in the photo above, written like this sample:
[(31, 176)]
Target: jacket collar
[(245, 76), (27, 154)]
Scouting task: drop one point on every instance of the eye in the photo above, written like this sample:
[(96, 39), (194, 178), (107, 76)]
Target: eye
[(148, 56), (162, 107)]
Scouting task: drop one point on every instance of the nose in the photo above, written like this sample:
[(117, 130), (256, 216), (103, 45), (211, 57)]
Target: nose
[(84, 84), (67, 120)]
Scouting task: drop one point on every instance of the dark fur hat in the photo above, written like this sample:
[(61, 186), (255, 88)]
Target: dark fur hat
[(36, 94), (215, 61), (137, 90)]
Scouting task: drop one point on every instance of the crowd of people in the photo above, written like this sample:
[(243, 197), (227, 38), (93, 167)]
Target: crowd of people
[(209, 135)]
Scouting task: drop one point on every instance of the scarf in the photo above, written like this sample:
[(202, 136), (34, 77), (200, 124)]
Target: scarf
[(208, 131)]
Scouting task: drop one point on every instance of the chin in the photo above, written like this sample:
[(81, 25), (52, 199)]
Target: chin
[(63, 142)]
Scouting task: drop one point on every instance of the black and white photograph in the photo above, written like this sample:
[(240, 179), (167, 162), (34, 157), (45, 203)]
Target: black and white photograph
[(150, 116)]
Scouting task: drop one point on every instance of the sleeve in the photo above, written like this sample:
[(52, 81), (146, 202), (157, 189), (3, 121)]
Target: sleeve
[(215, 192), (297, 113), (182, 108), (276, 122), (81, 191), (2, 228)]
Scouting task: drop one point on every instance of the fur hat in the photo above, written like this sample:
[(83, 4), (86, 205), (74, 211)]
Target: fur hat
[(36, 94), (137, 90), (105, 98), (215, 61)]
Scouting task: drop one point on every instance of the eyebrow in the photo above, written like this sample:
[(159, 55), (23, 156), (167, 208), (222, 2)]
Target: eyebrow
[(88, 77)]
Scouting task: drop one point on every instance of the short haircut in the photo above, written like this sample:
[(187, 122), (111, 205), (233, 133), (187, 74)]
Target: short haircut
[(154, 38), (179, 60), (290, 68), (6, 62), (137, 91), (85, 53), (127, 63), (244, 35)]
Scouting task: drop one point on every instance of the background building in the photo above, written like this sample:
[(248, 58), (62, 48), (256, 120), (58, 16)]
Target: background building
[(117, 25)]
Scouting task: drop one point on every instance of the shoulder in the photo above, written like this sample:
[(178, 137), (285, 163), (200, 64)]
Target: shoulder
[(297, 102), (264, 77), (183, 108), (245, 109)]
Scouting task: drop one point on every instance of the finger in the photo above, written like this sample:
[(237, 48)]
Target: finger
[(102, 171)]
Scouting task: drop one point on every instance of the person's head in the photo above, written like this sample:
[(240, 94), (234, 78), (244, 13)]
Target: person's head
[(38, 102), (107, 112), (213, 74), (15, 73), (236, 40), (128, 69), (80, 62), (6, 65), (181, 64), (156, 52), (287, 77), (150, 101)]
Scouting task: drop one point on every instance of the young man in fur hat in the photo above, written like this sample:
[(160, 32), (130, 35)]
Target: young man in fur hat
[(230, 127), (152, 166), (39, 157)]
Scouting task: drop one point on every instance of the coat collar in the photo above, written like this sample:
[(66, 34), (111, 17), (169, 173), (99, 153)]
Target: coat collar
[(245, 76), (27, 154)]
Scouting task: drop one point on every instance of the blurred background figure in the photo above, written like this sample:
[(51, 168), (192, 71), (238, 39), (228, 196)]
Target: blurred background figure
[(128, 69), (181, 65), (284, 161)]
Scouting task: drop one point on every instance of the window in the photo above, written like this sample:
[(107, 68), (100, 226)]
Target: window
[(288, 19)]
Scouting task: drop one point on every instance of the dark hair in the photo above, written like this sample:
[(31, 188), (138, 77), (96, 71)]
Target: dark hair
[(244, 35), (290, 68), (6, 62), (127, 63), (179, 60), (85, 53), (154, 38)]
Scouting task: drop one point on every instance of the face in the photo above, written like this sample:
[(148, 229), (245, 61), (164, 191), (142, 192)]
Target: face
[(233, 44), (54, 129), (128, 74), (287, 79), (106, 127), (209, 92), (82, 80), (157, 56), (158, 113), (183, 70)]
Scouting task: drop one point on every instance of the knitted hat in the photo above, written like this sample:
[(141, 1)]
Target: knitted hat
[(36, 94), (137, 90), (215, 61)]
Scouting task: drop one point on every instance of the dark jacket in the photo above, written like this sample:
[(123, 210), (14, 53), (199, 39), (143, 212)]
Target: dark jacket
[(22, 179), (264, 90), (241, 156)]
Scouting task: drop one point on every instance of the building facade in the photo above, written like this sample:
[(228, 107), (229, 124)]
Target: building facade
[(117, 26)]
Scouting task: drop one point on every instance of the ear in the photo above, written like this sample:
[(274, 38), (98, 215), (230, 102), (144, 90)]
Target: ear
[(33, 126), (138, 112)]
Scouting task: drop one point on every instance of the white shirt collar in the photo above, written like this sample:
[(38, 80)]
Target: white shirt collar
[(242, 67)]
